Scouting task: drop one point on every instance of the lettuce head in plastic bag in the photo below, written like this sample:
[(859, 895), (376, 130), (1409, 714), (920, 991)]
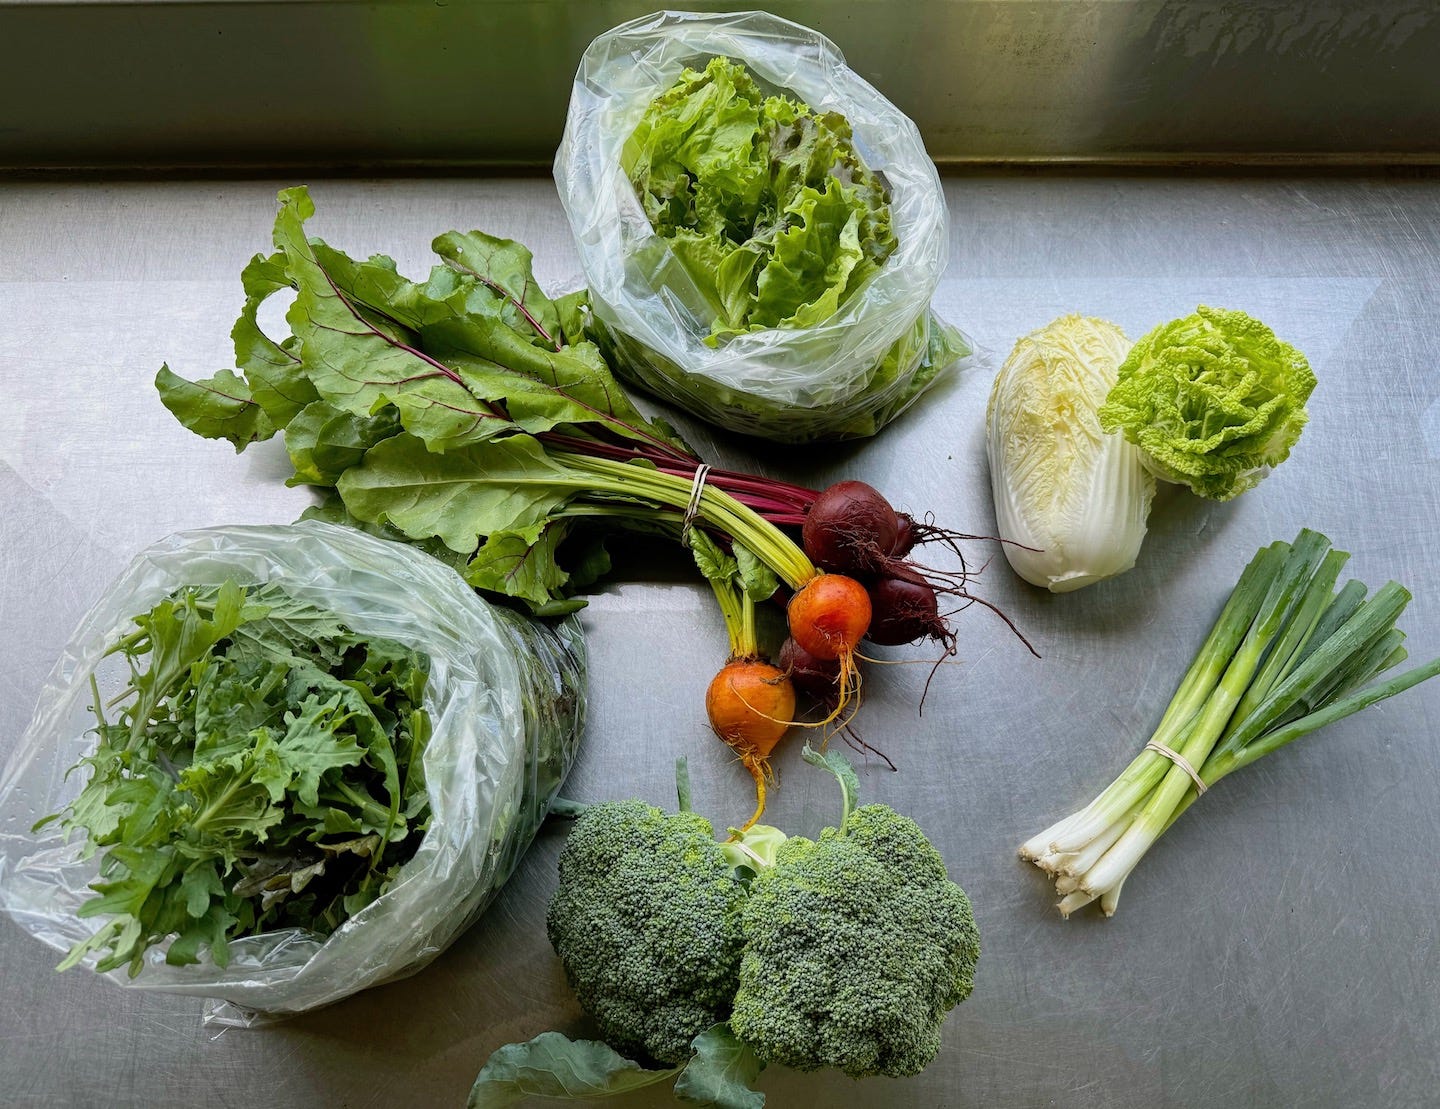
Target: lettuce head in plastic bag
[(760, 229)]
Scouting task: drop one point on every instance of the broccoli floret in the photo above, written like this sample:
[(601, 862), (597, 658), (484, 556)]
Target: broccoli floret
[(856, 946), (647, 923)]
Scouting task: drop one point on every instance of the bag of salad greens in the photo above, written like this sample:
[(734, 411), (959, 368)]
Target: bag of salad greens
[(317, 616), (760, 229)]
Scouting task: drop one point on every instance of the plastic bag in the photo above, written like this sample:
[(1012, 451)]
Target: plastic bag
[(506, 698), (844, 378)]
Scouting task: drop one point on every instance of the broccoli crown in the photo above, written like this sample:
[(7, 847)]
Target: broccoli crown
[(647, 923), (856, 946)]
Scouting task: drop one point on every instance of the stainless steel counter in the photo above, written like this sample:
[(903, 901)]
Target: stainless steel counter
[(1278, 948)]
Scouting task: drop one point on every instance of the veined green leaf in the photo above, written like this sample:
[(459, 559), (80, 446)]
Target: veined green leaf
[(324, 441), (721, 1071), (220, 407), (508, 289), (462, 495), (540, 389), (573, 309), (838, 765), (521, 563), (360, 363), (229, 800), (277, 378), (714, 564), (332, 510), (551, 1065), (759, 580)]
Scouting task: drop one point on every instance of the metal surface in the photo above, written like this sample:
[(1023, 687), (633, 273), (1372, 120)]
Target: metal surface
[(1278, 948), (411, 82)]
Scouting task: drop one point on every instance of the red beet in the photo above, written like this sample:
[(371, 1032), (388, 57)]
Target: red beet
[(905, 535), (905, 610), (818, 677), (850, 529)]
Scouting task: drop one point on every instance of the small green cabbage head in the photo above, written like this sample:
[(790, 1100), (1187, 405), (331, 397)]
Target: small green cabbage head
[(1214, 400)]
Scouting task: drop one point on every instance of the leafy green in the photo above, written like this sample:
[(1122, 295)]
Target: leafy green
[(551, 1065), (263, 771), (220, 407), (419, 404), (277, 378), (1213, 399), (717, 1076), (721, 1071), (838, 765), (896, 380), (767, 205), (507, 484)]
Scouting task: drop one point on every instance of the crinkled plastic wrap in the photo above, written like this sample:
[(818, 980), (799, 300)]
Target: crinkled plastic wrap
[(506, 697), (842, 379)]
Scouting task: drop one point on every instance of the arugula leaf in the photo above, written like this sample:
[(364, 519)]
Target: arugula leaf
[(720, 1072), (552, 1065), (312, 746), (231, 796), (255, 731)]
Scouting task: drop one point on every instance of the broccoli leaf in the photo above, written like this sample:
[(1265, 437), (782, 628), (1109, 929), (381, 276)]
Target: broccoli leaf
[(551, 1065), (721, 1072), (844, 772)]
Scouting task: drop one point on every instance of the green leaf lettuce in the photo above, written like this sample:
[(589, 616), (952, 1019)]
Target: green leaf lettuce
[(1214, 400), (766, 204)]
